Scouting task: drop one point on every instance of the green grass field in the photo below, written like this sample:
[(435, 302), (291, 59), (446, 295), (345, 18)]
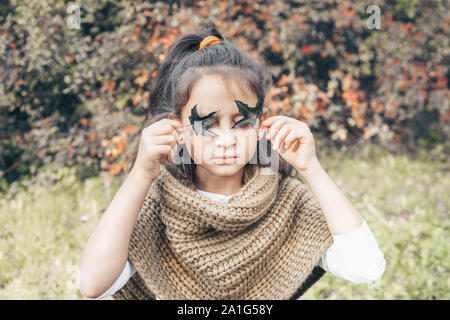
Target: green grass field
[(45, 223)]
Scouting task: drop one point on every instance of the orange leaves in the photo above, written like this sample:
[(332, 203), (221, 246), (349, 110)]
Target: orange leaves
[(275, 45), (441, 83), (306, 50), (119, 146), (223, 5), (92, 136), (19, 140), (284, 79), (129, 128), (347, 82), (233, 32), (105, 143), (147, 13), (354, 98), (305, 113), (320, 106), (141, 80), (346, 9), (114, 169), (110, 85), (405, 27), (235, 9), (84, 122), (116, 151), (141, 96), (169, 37), (136, 99), (379, 107), (151, 43), (351, 97)]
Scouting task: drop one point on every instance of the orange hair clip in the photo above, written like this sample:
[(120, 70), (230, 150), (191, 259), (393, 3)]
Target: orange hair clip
[(211, 40)]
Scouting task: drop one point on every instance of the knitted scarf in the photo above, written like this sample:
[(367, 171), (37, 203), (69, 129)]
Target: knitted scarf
[(261, 244)]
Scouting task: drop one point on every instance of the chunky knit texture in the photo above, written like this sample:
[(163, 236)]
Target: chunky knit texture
[(261, 244)]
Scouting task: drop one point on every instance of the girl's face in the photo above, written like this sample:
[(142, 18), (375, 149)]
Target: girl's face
[(210, 94)]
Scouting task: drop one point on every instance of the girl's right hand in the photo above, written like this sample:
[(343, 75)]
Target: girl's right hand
[(158, 141)]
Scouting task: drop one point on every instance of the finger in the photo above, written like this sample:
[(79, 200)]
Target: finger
[(162, 149), (171, 154), (164, 124), (275, 127), (281, 135), (173, 122), (165, 130), (290, 139), (268, 122), (164, 140), (295, 145)]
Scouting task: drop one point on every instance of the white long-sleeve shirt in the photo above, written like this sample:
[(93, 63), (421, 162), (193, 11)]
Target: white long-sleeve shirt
[(353, 256)]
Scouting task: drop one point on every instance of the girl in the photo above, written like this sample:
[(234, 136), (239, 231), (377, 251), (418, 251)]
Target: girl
[(205, 213)]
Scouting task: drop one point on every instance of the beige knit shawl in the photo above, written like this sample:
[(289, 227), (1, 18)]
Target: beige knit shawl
[(261, 244)]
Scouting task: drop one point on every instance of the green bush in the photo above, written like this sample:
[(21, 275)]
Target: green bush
[(81, 96)]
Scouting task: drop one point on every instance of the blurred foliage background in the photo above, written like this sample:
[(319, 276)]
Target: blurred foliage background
[(73, 103)]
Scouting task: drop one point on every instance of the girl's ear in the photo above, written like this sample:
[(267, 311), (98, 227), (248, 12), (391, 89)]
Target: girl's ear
[(265, 115)]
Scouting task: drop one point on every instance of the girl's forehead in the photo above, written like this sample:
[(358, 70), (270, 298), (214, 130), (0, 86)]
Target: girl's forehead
[(213, 90), (222, 109), (212, 93)]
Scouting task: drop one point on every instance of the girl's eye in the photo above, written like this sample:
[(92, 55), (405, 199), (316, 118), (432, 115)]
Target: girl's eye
[(241, 126)]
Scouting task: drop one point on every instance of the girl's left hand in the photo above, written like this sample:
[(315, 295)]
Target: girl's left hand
[(293, 140)]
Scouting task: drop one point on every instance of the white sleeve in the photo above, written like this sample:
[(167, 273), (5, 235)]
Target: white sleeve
[(354, 256), (126, 274)]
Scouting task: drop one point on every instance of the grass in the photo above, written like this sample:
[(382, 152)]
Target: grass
[(45, 223)]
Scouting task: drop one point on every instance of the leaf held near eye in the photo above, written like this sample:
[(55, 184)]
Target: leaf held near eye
[(250, 114), (200, 124)]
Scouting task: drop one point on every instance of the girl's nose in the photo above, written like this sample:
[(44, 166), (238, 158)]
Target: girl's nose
[(226, 138)]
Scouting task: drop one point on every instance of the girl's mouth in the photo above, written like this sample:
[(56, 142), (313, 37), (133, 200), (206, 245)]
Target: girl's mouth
[(225, 159)]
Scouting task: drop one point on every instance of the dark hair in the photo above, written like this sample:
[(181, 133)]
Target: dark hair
[(172, 85)]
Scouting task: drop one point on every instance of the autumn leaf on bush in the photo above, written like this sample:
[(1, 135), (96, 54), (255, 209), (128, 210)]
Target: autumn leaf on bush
[(129, 128), (274, 43), (306, 50), (141, 80)]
